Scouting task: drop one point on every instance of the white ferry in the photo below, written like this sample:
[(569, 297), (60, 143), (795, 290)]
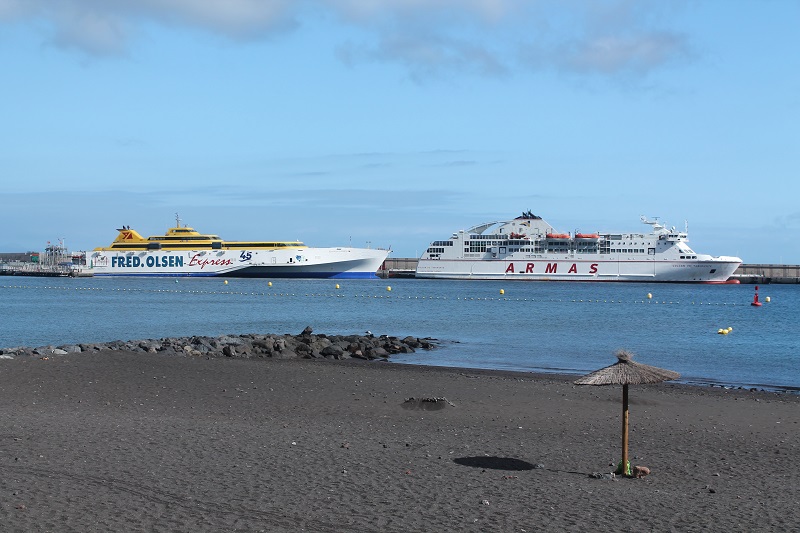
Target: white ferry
[(182, 251), (528, 248)]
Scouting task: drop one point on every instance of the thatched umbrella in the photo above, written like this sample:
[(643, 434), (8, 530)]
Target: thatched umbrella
[(626, 372)]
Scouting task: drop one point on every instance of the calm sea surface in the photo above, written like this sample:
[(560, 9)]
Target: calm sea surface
[(534, 326)]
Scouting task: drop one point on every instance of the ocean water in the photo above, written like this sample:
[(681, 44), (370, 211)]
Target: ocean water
[(571, 328)]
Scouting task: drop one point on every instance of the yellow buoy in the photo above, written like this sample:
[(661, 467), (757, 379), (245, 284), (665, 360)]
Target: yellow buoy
[(766, 299), (389, 289), (649, 296), (337, 285), (502, 291), (269, 284), (226, 282), (721, 331)]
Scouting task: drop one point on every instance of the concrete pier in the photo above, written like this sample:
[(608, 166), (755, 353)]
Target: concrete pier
[(35, 269), (398, 268), (764, 274)]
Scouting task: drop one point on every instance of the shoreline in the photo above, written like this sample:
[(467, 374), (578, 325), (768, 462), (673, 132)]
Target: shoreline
[(125, 441), (772, 389), (308, 345)]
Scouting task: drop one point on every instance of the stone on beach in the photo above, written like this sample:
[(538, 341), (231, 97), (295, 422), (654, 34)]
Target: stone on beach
[(306, 345)]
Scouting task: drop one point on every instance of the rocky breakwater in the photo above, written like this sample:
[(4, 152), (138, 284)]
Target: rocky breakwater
[(306, 345)]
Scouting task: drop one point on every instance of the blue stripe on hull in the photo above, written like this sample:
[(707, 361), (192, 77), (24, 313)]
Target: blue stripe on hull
[(243, 274), (304, 275), (154, 275)]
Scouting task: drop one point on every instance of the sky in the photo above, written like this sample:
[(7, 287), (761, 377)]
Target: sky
[(394, 123)]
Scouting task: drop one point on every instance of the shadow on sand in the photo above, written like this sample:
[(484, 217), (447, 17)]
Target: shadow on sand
[(495, 463), (506, 463)]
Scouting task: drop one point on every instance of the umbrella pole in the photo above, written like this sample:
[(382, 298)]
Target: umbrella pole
[(625, 471)]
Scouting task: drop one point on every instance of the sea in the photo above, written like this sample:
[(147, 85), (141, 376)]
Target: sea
[(710, 334)]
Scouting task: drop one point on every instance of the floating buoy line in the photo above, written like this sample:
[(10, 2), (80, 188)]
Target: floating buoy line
[(388, 295)]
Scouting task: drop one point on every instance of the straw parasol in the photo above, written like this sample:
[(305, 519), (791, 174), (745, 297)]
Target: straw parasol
[(626, 372)]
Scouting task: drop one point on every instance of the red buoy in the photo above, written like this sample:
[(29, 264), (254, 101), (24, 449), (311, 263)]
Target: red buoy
[(755, 301)]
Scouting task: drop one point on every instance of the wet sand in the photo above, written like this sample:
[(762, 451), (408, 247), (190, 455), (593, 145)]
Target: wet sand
[(118, 441)]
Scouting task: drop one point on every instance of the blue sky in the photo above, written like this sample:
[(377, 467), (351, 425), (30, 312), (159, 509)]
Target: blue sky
[(397, 122)]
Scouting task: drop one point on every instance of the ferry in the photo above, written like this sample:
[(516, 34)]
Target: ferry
[(183, 251), (528, 248)]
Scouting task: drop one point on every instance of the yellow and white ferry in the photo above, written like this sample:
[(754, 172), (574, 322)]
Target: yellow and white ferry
[(528, 248), (183, 251)]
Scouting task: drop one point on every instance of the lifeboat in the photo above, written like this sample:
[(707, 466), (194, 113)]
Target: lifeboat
[(558, 235), (587, 236)]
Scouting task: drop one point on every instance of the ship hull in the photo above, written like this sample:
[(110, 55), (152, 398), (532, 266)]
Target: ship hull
[(330, 263), (577, 269)]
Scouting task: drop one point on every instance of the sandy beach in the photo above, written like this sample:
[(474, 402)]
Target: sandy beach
[(118, 441)]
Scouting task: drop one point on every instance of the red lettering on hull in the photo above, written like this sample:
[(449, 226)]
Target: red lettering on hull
[(202, 263), (550, 268)]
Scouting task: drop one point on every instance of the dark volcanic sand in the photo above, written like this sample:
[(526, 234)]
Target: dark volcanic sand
[(130, 442)]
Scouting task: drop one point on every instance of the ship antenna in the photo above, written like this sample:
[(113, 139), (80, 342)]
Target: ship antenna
[(177, 220)]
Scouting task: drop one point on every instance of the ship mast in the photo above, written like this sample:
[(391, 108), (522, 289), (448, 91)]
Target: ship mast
[(177, 220)]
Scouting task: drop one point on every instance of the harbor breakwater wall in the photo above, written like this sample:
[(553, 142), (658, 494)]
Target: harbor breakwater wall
[(250, 346), (404, 267), (758, 273)]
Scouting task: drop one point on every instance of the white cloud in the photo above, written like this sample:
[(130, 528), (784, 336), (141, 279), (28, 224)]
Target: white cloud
[(426, 37), (362, 11), (236, 19), (94, 32), (425, 54), (610, 54), (105, 27)]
